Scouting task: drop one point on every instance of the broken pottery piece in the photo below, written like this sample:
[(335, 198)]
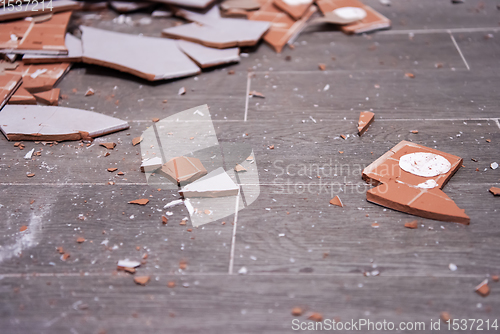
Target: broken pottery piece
[(483, 289), (365, 119), (213, 31), (136, 140), (336, 201), (23, 37), (40, 77), (35, 8), (150, 165), (207, 57), (9, 83), (183, 170), (48, 123), (141, 201), (373, 20), (75, 52), (283, 27), (22, 96), (495, 191), (50, 97), (397, 188), (412, 224), (295, 8), (215, 184), (149, 58), (128, 263), (239, 168), (142, 280), (240, 4), (109, 146)]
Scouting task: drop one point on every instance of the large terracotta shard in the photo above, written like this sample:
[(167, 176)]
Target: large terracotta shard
[(37, 8), (22, 96), (208, 57), (146, 57), (9, 83), (40, 77), (213, 31), (23, 37), (295, 8), (75, 53), (283, 27), (50, 97), (183, 170), (372, 21), (409, 178), (365, 119), (49, 123), (215, 184)]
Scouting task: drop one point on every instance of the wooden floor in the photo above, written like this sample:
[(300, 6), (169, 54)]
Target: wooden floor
[(297, 249)]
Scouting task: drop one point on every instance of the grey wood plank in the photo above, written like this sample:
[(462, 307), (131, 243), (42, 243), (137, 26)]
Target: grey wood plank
[(231, 304)]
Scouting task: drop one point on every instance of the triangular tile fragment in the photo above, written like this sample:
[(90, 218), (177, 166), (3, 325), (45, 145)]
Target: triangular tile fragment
[(409, 178), (9, 83), (208, 57), (183, 170), (47, 123), (22, 96), (50, 97), (149, 58), (150, 165), (295, 8), (365, 119), (75, 53), (40, 77), (215, 184), (336, 201)]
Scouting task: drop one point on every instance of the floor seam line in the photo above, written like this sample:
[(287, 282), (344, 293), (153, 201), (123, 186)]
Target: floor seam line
[(249, 79), (233, 237), (459, 51)]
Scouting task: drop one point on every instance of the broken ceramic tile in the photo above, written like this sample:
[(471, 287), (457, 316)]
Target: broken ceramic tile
[(208, 57), (9, 83), (147, 57), (129, 6), (140, 201), (336, 201), (213, 31), (373, 20), (34, 9), (412, 224), (55, 123), (398, 173), (365, 119), (283, 27), (128, 263), (343, 15), (295, 8), (483, 289), (23, 37), (151, 164), (239, 168), (183, 170), (50, 97), (495, 191), (142, 280), (187, 3), (109, 146), (22, 96), (40, 77), (75, 53), (215, 184), (245, 5)]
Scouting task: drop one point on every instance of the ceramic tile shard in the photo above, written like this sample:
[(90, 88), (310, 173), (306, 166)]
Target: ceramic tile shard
[(208, 57), (412, 224), (9, 83), (146, 57), (75, 53), (50, 97), (47, 123), (128, 263), (483, 289), (295, 8), (22, 96), (336, 201), (342, 15), (239, 168), (215, 184), (22, 36), (240, 4), (365, 120), (187, 3), (183, 170), (495, 191), (283, 27), (213, 31), (150, 165), (40, 77), (373, 20), (398, 189), (141, 201), (142, 280), (128, 6), (36, 9)]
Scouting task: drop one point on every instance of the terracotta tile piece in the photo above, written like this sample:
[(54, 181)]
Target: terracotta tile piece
[(296, 9), (365, 119), (50, 97), (183, 170), (9, 83)]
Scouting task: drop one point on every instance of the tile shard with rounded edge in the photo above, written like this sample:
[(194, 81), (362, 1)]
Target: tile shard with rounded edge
[(208, 57), (365, 120), (149, 58), (48, 123), (213, 31), (399, 190)]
